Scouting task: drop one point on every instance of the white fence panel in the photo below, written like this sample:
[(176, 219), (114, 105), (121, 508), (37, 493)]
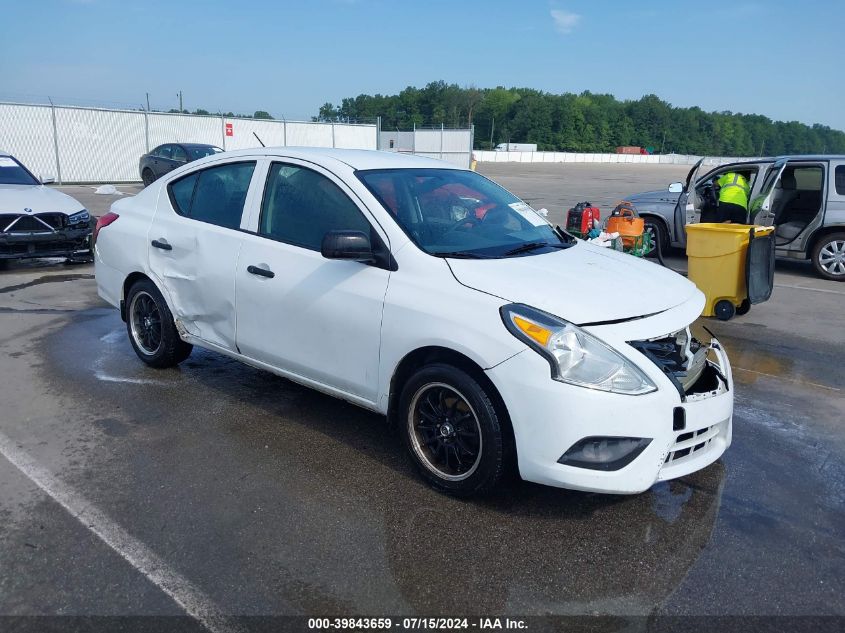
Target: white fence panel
[(26, 132), (356, 136), (100, 145), (171, 128), (310, 134), (243, 132)]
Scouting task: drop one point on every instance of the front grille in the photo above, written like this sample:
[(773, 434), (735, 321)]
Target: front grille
[(692, 443), (20, 223)]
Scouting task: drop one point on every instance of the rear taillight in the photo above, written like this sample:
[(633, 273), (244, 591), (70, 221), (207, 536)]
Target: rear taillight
[(104, 221)]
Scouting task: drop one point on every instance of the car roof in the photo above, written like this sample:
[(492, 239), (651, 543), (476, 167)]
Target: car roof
[(196, 145), (354, 158)]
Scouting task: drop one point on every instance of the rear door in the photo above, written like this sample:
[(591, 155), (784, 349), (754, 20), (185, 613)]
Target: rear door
[(685, 209), (194, 242), (762, 206)]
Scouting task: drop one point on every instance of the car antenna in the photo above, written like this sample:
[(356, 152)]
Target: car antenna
[(259, 140)]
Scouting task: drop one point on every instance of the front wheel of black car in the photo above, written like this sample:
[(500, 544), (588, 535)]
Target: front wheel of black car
[(152, 332), (148, 177)]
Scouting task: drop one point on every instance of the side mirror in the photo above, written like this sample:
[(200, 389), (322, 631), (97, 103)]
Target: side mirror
[(47, 179), (676, 187), (351, 245)]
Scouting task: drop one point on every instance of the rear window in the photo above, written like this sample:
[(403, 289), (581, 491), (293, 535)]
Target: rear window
[(839, 179), (201, 152)]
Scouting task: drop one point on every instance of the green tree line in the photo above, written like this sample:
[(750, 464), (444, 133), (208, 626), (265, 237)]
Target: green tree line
[(586, 122)]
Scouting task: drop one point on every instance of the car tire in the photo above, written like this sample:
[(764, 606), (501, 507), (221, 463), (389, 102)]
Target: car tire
[(829, 257), (452, 430), (658, 233), (5, 263), (151, 329), (148, 177)]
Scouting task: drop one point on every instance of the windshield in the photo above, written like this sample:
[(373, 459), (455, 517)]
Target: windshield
[(13, 173), (457, 213), (201, 152)]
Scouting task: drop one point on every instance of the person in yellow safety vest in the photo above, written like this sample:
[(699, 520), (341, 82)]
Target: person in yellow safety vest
[(733, 198)]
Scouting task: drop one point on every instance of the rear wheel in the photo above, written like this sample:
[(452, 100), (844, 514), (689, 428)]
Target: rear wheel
[(744, 307), (452, 430), (152, 332), (148, 177), (829, 257)]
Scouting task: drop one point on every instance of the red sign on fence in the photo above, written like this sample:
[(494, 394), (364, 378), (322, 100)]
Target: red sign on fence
[(229, 130)]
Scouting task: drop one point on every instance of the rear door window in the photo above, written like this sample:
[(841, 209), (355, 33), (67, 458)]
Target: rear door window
[(215, 195)]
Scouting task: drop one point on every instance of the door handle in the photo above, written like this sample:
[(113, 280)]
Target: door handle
[(162, 245), (261, 272)]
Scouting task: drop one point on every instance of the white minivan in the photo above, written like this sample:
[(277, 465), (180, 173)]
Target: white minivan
[(427, 293)]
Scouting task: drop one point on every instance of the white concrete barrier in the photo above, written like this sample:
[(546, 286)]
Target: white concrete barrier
[(487, 156)]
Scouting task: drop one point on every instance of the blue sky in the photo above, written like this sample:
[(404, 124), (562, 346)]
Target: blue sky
[(780, 58)]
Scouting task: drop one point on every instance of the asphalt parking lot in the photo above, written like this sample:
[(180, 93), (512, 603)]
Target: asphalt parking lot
[(255, 496)]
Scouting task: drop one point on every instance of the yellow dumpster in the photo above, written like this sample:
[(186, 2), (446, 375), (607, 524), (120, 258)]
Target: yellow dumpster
[(732, 264)]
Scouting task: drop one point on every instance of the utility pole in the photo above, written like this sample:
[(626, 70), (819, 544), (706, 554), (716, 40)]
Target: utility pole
[(180, 101), (148, 101), (492, 127)]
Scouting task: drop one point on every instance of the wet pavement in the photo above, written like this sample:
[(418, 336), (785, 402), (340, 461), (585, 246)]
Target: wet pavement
[(268, 498)]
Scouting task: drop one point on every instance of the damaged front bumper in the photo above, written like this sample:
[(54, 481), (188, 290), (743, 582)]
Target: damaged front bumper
[(669, 433), (68, 242)]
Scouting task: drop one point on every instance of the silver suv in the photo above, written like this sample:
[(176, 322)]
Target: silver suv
[(803, 196)]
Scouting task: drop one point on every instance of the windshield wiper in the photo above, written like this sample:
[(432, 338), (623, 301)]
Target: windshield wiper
[(533, 246), (462, 255)]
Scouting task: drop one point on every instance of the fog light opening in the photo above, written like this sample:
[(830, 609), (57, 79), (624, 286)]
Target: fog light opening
[(604, 453)]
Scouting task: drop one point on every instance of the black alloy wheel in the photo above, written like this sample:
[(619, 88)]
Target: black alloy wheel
[(151, 328)]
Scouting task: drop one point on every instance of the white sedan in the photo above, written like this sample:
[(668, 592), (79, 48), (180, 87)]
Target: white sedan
[(37, 221), (427, 293)]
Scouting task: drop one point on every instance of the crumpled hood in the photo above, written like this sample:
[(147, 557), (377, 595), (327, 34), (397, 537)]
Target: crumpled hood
[(582, 284), (41, 199)]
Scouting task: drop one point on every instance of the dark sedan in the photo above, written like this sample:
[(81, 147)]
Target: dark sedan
[(167, 157)]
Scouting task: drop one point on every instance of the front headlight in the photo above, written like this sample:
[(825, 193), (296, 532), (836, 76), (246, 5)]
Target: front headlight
[(79, 217), (576, 357)]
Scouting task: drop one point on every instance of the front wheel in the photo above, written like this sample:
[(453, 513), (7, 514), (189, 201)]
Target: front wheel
[(657, 232), (452, 430), (829, 257), (152, 332)]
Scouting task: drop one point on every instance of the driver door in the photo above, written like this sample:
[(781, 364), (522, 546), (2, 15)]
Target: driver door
[(762, 207), (687, 209)]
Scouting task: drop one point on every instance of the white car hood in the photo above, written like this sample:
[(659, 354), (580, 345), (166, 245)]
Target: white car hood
[(41, 199), (582, 284)]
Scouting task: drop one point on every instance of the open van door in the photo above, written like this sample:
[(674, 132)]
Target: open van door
[(685, 209), (762, 209)]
